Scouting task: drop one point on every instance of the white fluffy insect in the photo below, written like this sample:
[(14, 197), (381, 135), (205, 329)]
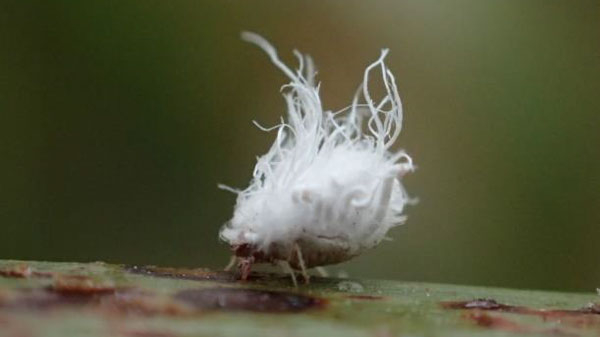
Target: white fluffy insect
[(329, 187)]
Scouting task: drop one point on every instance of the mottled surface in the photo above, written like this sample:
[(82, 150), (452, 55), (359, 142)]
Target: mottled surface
[(98, 299)]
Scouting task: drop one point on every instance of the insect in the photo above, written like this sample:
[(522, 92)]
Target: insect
[(329, 187)]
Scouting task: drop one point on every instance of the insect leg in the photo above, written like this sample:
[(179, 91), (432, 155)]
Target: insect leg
[(322, 271), (301, 264), (286, 268), (245, 267), (232, 262)]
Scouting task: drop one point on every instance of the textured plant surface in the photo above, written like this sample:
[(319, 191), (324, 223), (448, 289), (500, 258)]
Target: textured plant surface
[(98, 299)]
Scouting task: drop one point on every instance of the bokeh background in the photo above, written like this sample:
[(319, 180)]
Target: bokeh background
[(119, 118)]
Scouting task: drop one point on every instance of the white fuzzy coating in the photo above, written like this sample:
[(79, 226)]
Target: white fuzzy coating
[(330, 179)]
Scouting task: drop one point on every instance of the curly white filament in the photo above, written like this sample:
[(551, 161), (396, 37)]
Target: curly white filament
[(330, 182)]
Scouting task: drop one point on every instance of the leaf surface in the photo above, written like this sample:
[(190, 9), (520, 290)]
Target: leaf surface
[(98, 299)]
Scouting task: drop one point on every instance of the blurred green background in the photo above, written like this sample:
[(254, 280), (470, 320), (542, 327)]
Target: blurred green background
[(118, 119)]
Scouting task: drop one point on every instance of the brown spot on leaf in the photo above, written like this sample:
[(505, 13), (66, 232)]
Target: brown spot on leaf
[(18, 270), (118, 301), (248, 300), (142, 303), (22, 270), (365, 297), (591, 308), (498, 322), (495, 322), (480, 303), (81, 285), (492, 305), (583, 317), (41, 299), (183, 273)]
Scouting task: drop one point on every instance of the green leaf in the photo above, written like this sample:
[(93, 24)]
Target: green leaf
[(98, 299)]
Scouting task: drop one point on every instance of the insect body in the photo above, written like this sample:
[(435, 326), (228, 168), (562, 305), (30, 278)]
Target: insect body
[(329, 187)]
